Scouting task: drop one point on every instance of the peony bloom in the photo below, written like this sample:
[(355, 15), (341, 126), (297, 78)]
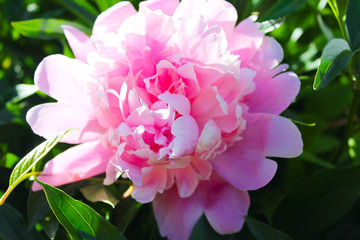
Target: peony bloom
[(179, 100)]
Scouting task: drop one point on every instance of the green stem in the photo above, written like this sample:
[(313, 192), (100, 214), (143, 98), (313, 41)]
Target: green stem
[(12, 187)]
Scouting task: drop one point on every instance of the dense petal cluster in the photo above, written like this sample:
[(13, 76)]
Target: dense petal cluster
[(176, 98)]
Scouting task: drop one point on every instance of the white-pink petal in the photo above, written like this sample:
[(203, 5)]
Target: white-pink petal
[(111, 19), (79, 42), (49, 119), (75, 164)]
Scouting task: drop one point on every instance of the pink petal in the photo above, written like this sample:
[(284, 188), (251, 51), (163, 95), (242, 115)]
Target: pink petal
[(176, 216), (243, 168), (166, 6), (75, 164), (49, 119), (273, 94), (245, 39), (152, 182), (64, 79), (112, 18), (244, 165), (225, 210), (186, 181), (216, 12), (186, 134), (178, 102), (275, 136), (267, 57), (79, 42)]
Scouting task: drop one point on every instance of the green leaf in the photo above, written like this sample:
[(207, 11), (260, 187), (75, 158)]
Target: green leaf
[(12, 225), (262, 231), (20, 171), (82, 9), (319, 202), (354, 65), (45, 28), (125, 212), (105, 4), (281, 9), (335, 58), (353, 23), (203, 231), (81, 221)]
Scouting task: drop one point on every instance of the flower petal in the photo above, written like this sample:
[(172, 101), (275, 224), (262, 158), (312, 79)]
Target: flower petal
[(166, 6), (64, 79), (75, 164), (186, 181), (176, 216), (225, 210), (79, 42), (112, 18), (273, 94), (178, 102), (186, 134), (49, 119)]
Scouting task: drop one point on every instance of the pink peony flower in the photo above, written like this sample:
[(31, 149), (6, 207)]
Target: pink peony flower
[(179, 100)]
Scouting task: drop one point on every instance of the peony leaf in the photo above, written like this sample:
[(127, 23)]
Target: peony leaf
[(20, 171), (82, 9), (281, 9), (45, 28), (262, 231), (335, 58), (12, 225), (319, 202), (125, 212), (105, 4), (81, 221), (353, 23)]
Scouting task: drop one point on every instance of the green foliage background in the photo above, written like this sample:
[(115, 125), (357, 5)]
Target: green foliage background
[(314, 196)]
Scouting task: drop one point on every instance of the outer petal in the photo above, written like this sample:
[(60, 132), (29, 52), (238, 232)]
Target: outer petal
[(75, 164), (273, 95), (49, 119), (79, 42), (244, 165), (225, 210), (244, 169), (272, 135), (167, 6), (176, 216), (267, 57), (64, 79), (112, 18)]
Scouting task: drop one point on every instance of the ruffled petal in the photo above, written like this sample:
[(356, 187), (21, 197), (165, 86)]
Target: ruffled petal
[(166, 6), (75, 164), (214, 12), (64, 79), (49, 119), (79, 42), (186, 181), (176, 217), (112, 18), (186, 134)]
